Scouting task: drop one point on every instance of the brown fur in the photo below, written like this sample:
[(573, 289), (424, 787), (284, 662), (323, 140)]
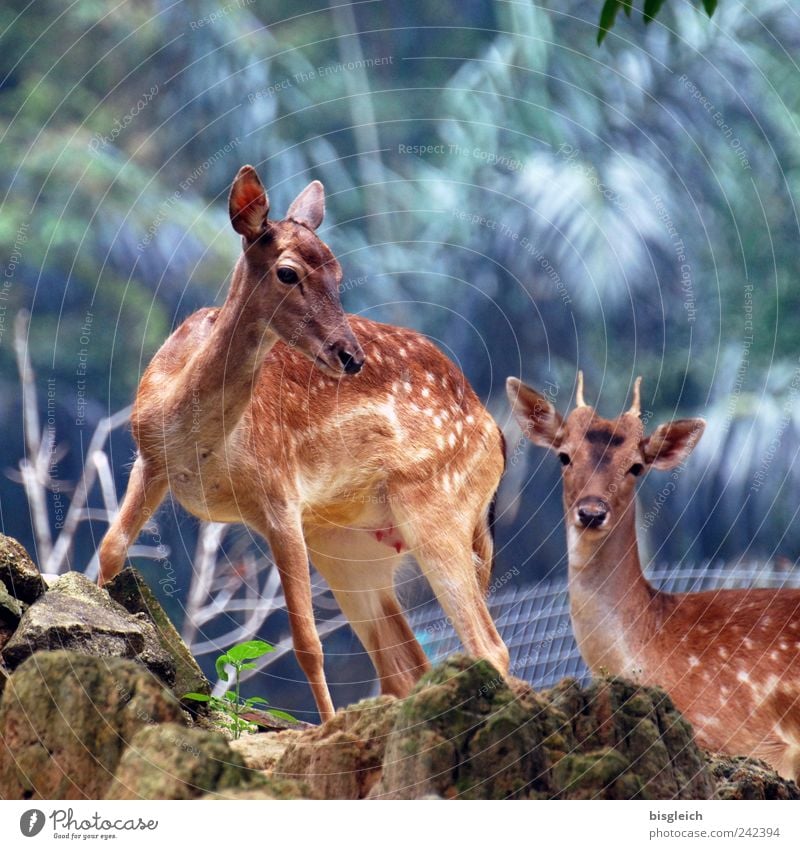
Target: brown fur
[(730, 659), (246, 415)]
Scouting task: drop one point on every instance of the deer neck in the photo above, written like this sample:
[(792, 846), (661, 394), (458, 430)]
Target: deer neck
[(225, 365), (610, 599)]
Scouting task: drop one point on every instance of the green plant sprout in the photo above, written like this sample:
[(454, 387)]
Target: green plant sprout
[(231, 704)]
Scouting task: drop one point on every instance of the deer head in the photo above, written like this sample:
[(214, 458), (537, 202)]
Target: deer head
[(291, 276), (601, 458)]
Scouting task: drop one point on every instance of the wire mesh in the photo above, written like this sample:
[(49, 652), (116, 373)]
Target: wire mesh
[(534, 619)]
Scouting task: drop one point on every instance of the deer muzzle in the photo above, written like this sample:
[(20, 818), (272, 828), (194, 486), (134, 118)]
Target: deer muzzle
[(592, 512)]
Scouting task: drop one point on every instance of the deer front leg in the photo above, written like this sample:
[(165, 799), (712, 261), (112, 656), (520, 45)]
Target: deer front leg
[(291, 557), (146, 490)]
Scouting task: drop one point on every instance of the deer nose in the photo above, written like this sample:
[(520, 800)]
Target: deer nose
[(592, 512), (350, 362)]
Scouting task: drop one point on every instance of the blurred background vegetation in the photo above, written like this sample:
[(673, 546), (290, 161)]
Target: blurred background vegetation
[(533, 202)]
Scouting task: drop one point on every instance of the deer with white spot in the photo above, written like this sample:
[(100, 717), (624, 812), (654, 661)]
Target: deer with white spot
[(336, 438), (730, 659)]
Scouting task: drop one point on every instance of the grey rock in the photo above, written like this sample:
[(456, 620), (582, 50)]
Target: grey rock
[(129, 589), (18, 572), (76, 615)]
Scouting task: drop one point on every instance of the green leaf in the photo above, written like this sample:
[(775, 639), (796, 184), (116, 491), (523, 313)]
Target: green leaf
[(608, 15), (197, 697), (256, 700), (248, 666), (222, 661), (249, 650), (651, 9), (282, 715), (710, 6), (627, 6), (230, 696)]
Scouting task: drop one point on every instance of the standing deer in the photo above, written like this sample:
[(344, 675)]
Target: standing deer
[(336, 438), (730, 659)]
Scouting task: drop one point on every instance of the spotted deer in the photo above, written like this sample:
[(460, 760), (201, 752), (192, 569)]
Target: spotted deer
[(338, 439), (730, 659)]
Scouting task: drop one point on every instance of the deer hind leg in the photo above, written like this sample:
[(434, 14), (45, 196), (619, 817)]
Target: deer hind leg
[(451, 559), (146, 490), (360, 572)]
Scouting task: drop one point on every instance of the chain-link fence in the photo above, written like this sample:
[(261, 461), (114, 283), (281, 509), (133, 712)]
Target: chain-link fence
[(534, 619)]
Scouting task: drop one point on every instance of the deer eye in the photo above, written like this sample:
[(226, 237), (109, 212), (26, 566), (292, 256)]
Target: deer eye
[(564, 458), (287, 275), (636, 469)]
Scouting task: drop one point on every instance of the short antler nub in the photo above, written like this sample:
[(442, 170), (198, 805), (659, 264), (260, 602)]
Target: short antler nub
[(636, 406), (579, 402)]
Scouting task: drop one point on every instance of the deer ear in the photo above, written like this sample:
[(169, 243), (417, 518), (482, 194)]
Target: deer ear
[(670, 444), (309, 206), (538, 418), (248, 204)]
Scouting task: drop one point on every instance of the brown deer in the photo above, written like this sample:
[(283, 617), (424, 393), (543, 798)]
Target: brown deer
[(730, 659), (336, 438)]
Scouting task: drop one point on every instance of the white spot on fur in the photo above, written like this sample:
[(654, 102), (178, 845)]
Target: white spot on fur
[(439, 441), (693, 661), (429, 377), (747, 643), (425, 392), (402, 351), (428, 411), (459, 427), (470, 419), (437, 421), (743, 676), (407, 386), (451, 440)]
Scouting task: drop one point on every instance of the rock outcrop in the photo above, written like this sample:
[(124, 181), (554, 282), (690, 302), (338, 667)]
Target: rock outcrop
[(171, 761), (122, 620), (130, 590), (67, 718), (342, 759), (465, 734), (747, 778), (18, 572), (76, 615), (86, 711)]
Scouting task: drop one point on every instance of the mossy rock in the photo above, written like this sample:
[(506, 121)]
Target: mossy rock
[(129, 589), (341, 759), (76, 615), (171, 761), (66, 718), (747, 778), (464, 733)]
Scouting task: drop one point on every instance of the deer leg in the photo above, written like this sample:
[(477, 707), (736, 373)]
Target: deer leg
[(443, 547), (146, 490), (291, 557), (363, 584)]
